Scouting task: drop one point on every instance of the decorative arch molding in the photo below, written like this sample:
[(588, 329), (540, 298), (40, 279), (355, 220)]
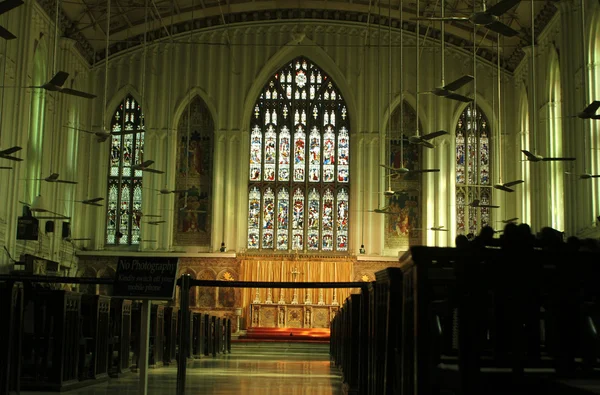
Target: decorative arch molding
[(117, 99), (483, 104), (188, 97), (411, 100), (286, 54)]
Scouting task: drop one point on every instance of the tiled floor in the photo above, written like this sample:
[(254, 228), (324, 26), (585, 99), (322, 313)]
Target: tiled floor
[(261, 369)]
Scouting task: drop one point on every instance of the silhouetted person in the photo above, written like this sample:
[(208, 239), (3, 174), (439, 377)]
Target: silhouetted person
[(462, 242), (550, 239), (510, 237), (485, 237), (573, 244), (470, 236), (526, 238)]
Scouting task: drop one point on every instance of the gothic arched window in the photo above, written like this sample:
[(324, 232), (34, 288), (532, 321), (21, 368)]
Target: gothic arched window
[(125, 185), (194, 174), (473, 178), (299, 163)]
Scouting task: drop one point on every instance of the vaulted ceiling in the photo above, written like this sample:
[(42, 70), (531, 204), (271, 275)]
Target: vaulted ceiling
[(85, 20)]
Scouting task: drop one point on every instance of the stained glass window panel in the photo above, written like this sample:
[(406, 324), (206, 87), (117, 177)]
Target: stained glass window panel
[(298, 220), (460, 212), (124, 187), (299, 154), (313, 219), (460, 153), (284, 154), (315, 155), (268, 218), (327, 221), (300, 136), (342, 220), (283, 208), (253, 218)]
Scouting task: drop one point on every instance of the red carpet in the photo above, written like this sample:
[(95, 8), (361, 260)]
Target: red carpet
[(320, 335)]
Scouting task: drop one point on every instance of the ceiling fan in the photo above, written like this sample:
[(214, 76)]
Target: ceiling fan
[(101, 135), (510, 220), (54, 178), (56, 85), (590, 111), (584, 176), (5, 154), (424, 140), (38, 207), (156, 222), (506, 186), (404, 170), (390, 192), (91, 202), (69, 239), (539, 158), (166, 191), (448, 91), (145, 166), (434, 228), (489, 18), (476, 203), (6, 6)]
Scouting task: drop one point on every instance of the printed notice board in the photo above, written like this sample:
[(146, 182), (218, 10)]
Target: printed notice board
[(145, 278)]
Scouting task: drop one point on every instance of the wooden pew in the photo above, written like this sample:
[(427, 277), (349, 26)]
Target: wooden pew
[(11, 332), (95, 313), (52, 327), (119, 354)]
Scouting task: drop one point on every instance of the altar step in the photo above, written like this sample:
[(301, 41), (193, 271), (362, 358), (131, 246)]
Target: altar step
[(312, 335)]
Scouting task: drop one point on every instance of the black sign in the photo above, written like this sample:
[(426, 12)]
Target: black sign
[(27, 228), (145, 278)]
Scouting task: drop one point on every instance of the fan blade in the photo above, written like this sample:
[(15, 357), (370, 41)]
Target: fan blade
[(502, 6), (510, 184), (488, 206), (503, 188), (530, 156), (557, 159), (5, 168), (79, 130), (66, 182), (153, 171), (94, 200), (425, 171), (77, 93), (146, 163), (59, 78), (458, 83), (389, 168), (8, 5), (434, 135), (5, 34), (502, 29), (180, 191), (457, 97), (426, 144), (592, 108), (15, 159), (10, 150)]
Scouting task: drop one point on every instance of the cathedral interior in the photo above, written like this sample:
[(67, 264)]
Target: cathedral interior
[(287, 140)]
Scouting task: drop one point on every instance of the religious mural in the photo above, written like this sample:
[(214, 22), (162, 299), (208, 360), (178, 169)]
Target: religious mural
[(195, 132), (403, 226), (299, 163)]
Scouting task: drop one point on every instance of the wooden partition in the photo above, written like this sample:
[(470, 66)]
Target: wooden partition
[(93, 348), (197, 338), (51, 338), (157, 318), (120, 352), (11, 311)]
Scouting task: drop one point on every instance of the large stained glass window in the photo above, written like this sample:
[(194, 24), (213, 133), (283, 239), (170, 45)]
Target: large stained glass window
[(299, 163), (124, 184), (473, 178), (195, 131)]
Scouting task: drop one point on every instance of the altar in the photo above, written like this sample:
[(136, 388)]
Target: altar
[(275, 315)]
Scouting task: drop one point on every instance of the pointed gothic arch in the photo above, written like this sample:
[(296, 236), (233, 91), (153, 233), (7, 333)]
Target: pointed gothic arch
[(554, 142), (194, 173), (473, 169), (299, 179)]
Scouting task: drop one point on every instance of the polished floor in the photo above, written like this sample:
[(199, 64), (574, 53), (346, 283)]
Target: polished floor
[(260, 369)]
